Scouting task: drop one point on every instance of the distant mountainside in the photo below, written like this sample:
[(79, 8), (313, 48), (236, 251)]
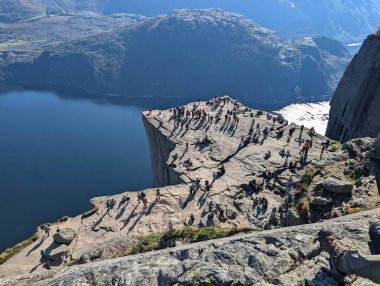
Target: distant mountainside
[(15, 10), (346, 21), (355, 107), (193, 53)]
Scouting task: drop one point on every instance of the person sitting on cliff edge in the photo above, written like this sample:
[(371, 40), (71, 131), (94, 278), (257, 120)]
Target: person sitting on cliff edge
[(344, 261)]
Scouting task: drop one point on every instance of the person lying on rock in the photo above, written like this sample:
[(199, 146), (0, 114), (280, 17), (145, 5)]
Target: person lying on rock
[(344, 261), (267, 155)]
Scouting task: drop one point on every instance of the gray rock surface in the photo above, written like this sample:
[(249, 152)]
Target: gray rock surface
[(106, 249), (287, 256), (64, 236), (356, 102), (57, 253), (337, 186)]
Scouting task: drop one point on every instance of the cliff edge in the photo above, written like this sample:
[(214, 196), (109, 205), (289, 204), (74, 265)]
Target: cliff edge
[(355, 105), (234, 169)]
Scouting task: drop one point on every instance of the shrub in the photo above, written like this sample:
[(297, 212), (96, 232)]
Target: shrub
[(188, 234), (303, 208), (90, 212), (336, 146), (306, 180), (10, 252)]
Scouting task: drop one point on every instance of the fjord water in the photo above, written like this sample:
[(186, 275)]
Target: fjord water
[(57, 152)]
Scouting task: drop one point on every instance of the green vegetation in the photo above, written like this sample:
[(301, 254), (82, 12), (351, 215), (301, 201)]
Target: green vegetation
[(336, 146), (301, 193), (303, 208), (306, 180), (10, 252), (90, 212), (188, 234)]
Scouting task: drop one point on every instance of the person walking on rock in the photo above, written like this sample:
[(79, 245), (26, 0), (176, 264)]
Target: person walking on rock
[(46, 229), (325, 146)]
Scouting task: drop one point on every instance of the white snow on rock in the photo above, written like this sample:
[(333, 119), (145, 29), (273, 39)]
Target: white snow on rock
[(308, 114)]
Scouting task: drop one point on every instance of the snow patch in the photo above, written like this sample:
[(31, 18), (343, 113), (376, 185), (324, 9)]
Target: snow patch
[(308, 114)]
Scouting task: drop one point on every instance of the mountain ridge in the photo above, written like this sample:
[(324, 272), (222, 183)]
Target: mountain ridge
[(223, 52)]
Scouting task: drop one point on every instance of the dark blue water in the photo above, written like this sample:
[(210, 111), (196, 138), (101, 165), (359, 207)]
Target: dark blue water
[(56, 153)]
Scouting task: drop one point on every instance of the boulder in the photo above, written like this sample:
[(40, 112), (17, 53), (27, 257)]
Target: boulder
[(64, 236), (205, 221), (57, 253), (337, 186), (321, 201), (231, 214)]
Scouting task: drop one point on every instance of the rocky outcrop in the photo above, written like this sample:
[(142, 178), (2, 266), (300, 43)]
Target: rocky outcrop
[(287, 256), (222, 142), (375, 159), (337, 186), (58, 253), (64, 236), (355, 106), (160, 149), (202, 52)]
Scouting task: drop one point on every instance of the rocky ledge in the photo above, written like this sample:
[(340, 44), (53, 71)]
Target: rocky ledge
[(213, 160)]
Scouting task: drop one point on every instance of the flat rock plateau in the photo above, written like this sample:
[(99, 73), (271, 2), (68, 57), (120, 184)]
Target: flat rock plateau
[(281, 202)]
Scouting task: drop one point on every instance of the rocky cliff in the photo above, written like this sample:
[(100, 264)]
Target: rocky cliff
[(160, 150), (192, 53), (288, 256), (254, 192), (356, 103)]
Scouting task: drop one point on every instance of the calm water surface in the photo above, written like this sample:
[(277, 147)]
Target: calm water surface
[(56, 153)]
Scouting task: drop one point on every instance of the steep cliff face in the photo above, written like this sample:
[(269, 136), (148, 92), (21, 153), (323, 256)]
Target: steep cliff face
[(374, 156), (160, 149), (355, 107)]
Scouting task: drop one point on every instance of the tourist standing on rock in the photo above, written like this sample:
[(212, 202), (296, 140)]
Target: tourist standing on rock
[(46, 229), (43, 255), (344, 261), (325, 146), (145, 202), (191, 220), (158, 194), (207, 186), (126, 199)]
